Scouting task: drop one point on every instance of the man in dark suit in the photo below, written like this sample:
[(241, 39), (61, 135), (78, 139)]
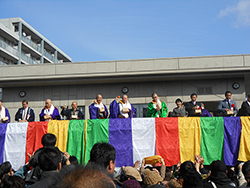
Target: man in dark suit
[(227, 107), (193, 105), (245, 107), (73, 113), (25, 114)]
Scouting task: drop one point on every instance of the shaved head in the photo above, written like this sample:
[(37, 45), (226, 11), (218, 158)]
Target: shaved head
[(48, 103), (74, 105), (99, 98), (124, 98)]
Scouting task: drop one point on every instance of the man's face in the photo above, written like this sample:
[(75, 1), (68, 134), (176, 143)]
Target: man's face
[(74, 105), (124, 98), (155, 98), (248, 98), (228, 96), (25, 105), (179, 104), (194, 98), (99, 99), (1, 104), (48, 103)]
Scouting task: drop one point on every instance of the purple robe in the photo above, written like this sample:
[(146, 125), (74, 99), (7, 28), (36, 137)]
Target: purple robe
[(114, 110), (55, 115), (205, 113), (7, 114), (94, 111)]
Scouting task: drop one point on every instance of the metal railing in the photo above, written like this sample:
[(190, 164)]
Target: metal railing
[(9, 48), (32, 44), (28, 59), (48, 55)]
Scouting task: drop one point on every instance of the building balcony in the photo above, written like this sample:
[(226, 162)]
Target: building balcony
[(28, 59), (49, 56), (2, 63), (9, 48), (32, 44)]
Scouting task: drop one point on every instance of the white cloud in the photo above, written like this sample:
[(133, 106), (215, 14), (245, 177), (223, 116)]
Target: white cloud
[(241, 10)]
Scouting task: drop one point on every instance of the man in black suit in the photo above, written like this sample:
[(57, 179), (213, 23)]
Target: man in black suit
[(25, 114), (193, 105), (245, 107), (73, 113)]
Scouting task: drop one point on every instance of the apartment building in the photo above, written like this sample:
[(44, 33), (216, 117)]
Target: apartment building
[(22, 44)]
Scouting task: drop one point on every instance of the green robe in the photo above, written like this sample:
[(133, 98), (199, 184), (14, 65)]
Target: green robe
[(153, 113)]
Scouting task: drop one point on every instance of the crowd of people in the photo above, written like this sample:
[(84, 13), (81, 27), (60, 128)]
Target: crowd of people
[(122, 108), (50, 167)]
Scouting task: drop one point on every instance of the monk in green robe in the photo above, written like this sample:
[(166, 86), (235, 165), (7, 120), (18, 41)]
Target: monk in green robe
[(157, 108)]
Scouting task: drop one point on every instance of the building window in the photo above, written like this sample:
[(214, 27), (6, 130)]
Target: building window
[(141, 110)]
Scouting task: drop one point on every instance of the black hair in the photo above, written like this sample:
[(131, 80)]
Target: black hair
[(186, 167), (73, 160), (227, 92), (49, 158), (49, 140), (153, 94), (12, 182), (193, 95), (101, 154), (5, 168), (25, 101), (1, 101), (178, 100), (248, 95), (246, 167)]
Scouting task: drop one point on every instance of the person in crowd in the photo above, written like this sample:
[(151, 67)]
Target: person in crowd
[(157, 108), (130, 173), (72, 113), (131, 184), (102, 157), (244, 174), (4, 114), (84, 177), (153, 176), (12, 182), (6, 169), (49, 161), (245, 107), (25, 114), (49, 112), (227, 107), (193, 107), (98, 110), (179, 111), (205, 112), (122, 109), (218, 176)]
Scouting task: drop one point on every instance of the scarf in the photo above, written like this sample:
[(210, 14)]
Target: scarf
[(155, 103), (124, 105), (2, 113), (50, 110), (100, 106)]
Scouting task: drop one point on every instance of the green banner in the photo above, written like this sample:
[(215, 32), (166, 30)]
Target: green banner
[(76, 136), (97, 131), (212, 137)]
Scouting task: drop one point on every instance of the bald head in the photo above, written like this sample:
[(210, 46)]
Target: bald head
[(124, 98), (74, 105), (48, 103), (99, 98)]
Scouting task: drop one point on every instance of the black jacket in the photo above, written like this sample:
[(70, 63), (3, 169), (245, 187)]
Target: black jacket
[(68, 113), (30, 116), (189, 108)]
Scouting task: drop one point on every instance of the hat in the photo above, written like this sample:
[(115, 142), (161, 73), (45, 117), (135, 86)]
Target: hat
[(192, 179), (131, 184), (131, 171), (151, 177)]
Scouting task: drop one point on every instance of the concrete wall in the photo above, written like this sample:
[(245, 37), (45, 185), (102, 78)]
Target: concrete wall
[(139, 93)]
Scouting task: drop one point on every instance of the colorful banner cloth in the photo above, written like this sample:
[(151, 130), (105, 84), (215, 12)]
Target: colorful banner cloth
[(175, 139), (212, 137), (190, 137)]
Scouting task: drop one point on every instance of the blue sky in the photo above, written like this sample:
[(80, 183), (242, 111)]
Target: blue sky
[(138, 29)]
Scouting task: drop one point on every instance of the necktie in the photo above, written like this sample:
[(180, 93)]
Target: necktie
[(24, 114), (228, 104)]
